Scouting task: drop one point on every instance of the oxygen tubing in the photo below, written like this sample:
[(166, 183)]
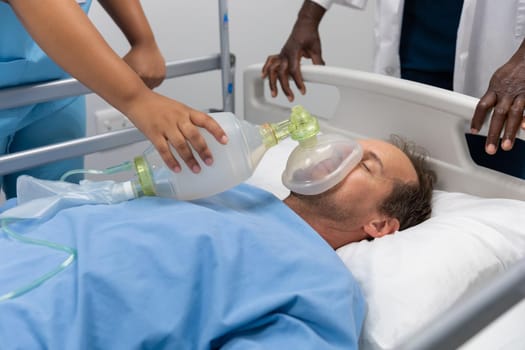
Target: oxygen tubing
[(72, 253), (43, 278), (111, 170)]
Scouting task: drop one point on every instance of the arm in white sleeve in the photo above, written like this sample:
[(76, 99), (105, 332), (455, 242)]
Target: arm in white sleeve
[(358, 4)]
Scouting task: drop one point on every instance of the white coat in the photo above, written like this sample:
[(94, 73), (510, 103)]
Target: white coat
[(489, 32)]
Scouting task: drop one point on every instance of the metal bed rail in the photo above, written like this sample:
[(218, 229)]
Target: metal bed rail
[(30, 94), (19, 96)]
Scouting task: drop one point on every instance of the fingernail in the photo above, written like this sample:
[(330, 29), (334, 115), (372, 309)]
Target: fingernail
[(224, 139), (208, 161), (506, 145), (474, 131), (491, 149), (177, 169), (196, 169)]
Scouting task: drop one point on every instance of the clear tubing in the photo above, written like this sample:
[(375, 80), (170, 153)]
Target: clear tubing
[(111, 170), (48, 275)]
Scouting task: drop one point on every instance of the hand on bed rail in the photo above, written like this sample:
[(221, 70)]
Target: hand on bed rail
[(144, 57), (147, 61), (505, 96), (304, 41)]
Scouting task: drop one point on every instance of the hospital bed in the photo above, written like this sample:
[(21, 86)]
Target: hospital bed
[(377, 106), (411, 306)]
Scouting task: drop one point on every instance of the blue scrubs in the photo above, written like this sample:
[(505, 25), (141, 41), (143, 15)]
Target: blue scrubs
[(427, 50), (21, 128)]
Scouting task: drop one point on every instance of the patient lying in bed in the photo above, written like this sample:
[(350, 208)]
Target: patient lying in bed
[(231, 271)]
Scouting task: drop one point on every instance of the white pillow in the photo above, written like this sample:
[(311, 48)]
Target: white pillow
[(410, 277)]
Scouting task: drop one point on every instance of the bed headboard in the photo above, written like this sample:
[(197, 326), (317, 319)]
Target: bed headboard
[(375, 106)]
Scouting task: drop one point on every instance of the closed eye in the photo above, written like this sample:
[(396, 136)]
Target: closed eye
[(376, 165), (363, 164)]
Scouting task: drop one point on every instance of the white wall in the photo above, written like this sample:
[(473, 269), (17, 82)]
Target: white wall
[(257, 29)]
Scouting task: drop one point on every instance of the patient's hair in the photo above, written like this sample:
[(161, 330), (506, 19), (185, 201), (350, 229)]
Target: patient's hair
[(409, 202)]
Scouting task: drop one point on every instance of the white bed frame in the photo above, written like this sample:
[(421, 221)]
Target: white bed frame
[(376, 106)]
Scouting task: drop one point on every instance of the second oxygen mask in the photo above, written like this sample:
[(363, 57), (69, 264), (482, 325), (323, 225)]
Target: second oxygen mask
[(320, 162)]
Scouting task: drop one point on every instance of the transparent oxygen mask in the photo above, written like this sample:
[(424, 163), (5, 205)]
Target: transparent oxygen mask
[(320, 162)]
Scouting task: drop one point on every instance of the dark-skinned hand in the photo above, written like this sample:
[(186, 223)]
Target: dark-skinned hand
[(304, 41), (505, 96)]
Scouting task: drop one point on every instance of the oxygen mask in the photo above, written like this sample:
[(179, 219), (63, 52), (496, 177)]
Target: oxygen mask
[(320, 162)]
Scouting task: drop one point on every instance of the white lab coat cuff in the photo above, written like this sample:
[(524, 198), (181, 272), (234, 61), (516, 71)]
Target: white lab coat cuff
[(358, 4)]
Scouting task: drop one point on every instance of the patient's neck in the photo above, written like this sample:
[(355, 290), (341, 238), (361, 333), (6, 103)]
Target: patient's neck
[(335, 232)]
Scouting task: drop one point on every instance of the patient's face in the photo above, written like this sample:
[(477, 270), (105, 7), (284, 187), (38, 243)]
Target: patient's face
[(372, 180), (357, 198)]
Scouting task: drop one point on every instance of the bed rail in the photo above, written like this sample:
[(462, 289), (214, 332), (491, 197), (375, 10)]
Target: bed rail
[(376, 106), (19, 96)]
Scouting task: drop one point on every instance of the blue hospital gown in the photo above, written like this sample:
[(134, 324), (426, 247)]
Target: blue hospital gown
[(239, 270)]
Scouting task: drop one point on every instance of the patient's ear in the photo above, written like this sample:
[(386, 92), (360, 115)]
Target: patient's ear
[(380, 227)]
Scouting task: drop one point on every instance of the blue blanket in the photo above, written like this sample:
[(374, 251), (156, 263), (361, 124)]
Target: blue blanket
[(239, 270)]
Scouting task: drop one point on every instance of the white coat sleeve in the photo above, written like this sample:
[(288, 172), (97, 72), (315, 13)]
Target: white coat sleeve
[(357, 4)]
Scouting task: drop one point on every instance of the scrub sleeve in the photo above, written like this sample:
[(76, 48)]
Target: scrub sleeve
[(23, 62)]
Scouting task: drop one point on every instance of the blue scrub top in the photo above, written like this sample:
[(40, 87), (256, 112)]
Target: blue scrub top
[(22, 62)]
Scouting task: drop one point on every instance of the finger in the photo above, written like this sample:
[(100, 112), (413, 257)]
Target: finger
[(482, 109), (178, 141), (269, 62), (317, 59), (515, 116), (284, 79), (204, 121), (297, 75), (164, 150), (195, 138), (499, 116), (198, 143), (272, 78)]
